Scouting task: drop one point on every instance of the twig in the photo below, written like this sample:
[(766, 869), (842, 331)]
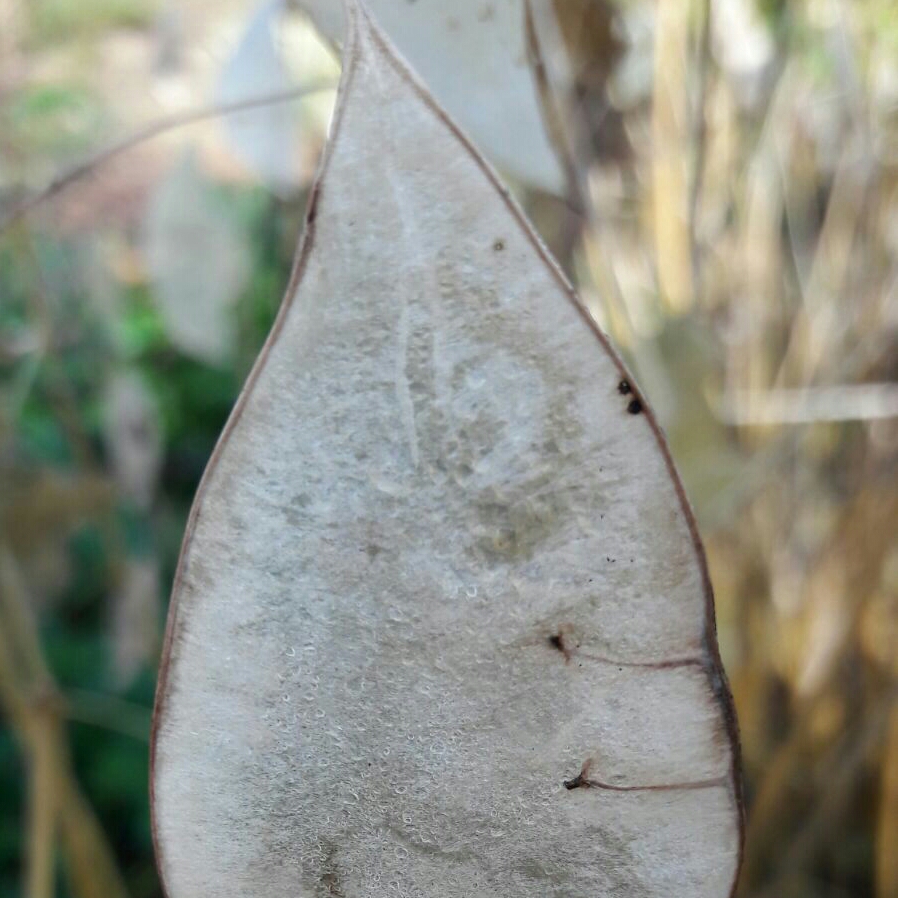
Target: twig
[(670, 190), (30, 699), (845, 766), (810, 405), (161, 126), (887, 826), (576, 194), (108, 712), (700, 139), (580, 222), (91, 867), (42, 806), (20, 626), (23, 676)]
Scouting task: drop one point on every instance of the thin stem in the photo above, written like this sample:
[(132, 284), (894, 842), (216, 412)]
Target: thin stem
[(42, 808), (700, 140), (161, 126), (109, 712), (29, 697)]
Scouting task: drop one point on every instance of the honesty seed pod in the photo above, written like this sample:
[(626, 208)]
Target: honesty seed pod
[(442, 624)]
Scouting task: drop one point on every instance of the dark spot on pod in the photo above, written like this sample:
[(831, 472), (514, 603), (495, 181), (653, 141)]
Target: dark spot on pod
[(634, 407), (624, 388), (559, 643), (499, 245)]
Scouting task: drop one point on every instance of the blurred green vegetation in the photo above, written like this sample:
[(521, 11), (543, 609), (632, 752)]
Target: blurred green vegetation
[(55, 20), (748, 284), (60, 502)]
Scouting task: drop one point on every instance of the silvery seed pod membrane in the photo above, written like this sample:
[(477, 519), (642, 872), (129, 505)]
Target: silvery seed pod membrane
[(442, 624)]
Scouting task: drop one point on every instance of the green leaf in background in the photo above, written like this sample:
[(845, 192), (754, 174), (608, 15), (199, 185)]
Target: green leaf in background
[(55, 118)]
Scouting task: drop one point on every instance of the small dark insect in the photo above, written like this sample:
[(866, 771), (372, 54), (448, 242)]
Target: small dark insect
[(624, 388), (499, 245), (635, 407)]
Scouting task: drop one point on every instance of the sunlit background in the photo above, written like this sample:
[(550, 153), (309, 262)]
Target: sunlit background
[(725, 197)]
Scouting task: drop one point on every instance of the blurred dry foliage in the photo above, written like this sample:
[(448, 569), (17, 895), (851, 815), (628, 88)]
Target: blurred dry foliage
[(732, 219)]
